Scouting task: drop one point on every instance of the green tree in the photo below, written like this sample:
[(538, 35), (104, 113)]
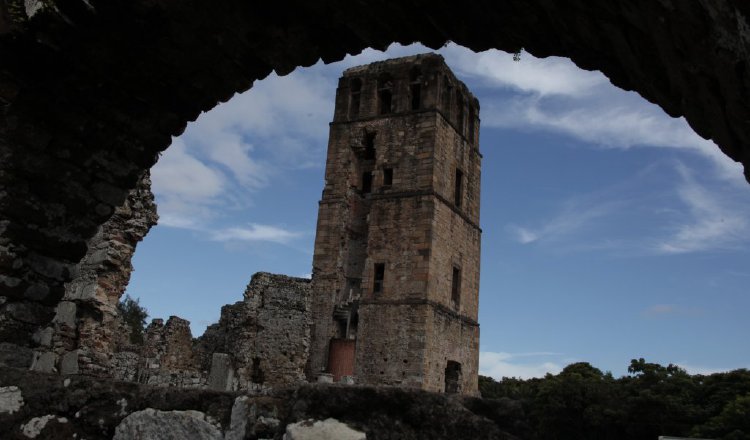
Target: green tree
[(733, 423), (134, 316), (579, 403), (660, 400), (583, 403)]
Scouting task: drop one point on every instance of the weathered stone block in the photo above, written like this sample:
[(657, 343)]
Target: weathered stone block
[(66, 313), (44, 362), (322, 430), (69, 363), (11, 399), (151, 423), (222, 373)]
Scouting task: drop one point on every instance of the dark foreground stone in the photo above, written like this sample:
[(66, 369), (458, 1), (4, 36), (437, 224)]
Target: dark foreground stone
[(42, 406)]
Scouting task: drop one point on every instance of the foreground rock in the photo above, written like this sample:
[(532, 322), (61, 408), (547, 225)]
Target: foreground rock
[(321, 430), (82, 407)]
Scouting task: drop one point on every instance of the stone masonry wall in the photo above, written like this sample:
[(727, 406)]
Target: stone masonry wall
[(267, 335), (396, 344), (82, 333), (260, 342), (451, 338), (412, 120), (91, 92)]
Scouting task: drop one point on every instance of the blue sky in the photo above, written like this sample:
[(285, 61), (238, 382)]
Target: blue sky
[(611, 231)]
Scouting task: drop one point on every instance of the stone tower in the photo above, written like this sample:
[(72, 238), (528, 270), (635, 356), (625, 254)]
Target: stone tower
[(396, 263)]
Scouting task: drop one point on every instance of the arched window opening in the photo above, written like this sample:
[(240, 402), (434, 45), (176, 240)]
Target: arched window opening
[(415, 87), (385, 94), (355, 88)]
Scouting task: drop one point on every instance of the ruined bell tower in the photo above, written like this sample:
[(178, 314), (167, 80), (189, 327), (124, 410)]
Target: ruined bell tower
[(396, 263)]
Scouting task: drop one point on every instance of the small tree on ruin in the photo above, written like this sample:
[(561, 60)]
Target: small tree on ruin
[(134, 316)]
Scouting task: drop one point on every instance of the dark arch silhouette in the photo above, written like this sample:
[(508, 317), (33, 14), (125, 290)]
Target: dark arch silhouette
[(91, 92)]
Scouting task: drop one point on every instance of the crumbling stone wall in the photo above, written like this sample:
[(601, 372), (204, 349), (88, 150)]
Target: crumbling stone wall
[(166, 357), (259, 342), (267, 335), (80, 337)]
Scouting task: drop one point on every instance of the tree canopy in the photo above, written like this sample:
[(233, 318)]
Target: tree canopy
[(582, 402)]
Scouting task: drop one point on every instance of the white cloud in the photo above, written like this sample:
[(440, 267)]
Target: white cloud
[(557, 96), (180, 174), (523, 235), (240, 147), (696, 369), (617, 122), (254, 232), (575, 216), (712, 223), (185, 187), (541, 77), (499, 364), (695, 217)]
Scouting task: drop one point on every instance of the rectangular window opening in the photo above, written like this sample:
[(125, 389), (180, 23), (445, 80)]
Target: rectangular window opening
[(385, 101), (416, 96), (458, 192), (377, 285), (366, 182), (387, 176), (446, 97), (456, 286), (370, 145), (354, 110), (460, 113)]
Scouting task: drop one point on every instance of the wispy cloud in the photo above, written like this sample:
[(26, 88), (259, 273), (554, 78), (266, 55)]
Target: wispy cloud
[(575, 216), (624, 220), (712, 223), (523, 235), (542, 77), (704, 370), (241, 146), (521, 365), (185, 187), (253, 233), (553, 94)]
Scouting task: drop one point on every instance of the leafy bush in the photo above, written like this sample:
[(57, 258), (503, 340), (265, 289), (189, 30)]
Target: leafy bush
[(134, 316)]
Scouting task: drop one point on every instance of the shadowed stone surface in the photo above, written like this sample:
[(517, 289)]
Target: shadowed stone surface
[(166, 425), (322, 430), (259, 342), (96, 409), (92, 91)]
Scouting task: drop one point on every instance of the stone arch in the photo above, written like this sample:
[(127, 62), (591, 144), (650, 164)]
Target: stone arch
[(92, 92)]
